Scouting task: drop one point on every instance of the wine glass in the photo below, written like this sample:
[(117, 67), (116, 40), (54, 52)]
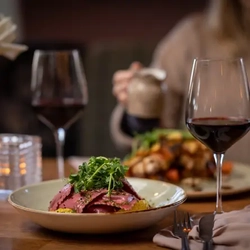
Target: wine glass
[(59, 93), (218, 108)]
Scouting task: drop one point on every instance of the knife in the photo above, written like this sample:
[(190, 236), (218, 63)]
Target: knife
[(206, 225)]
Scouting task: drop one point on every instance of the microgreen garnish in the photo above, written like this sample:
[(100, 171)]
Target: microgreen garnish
[(99, 172)]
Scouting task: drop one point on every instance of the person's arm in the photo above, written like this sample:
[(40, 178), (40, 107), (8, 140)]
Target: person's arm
[(121, 139), (174, 54)]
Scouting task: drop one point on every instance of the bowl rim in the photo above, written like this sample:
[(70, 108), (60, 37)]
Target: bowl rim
[(38, 211)]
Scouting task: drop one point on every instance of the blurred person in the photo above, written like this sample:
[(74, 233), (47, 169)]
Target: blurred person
[(222, 30)]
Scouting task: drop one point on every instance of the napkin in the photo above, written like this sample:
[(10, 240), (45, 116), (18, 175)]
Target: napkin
[(231, 231), (8, 30)]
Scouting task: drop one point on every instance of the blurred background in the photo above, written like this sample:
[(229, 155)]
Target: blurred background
[(110, 35)]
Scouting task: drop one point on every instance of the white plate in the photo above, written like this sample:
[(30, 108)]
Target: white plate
[(33, 201), (237, 182)]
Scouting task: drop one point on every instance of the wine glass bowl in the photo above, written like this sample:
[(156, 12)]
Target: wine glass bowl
[(59, 93), (218, 108)]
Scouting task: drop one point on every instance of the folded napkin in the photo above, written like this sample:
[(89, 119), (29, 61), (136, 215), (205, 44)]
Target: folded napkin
[(8, 30), (231, 232)]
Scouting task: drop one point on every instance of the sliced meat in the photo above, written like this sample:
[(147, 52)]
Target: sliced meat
[(71, 201), (101, 209), (66, 198), (78, 201), (122, 200), (127, 187), (61, 196), (95, 201), (87, 197)]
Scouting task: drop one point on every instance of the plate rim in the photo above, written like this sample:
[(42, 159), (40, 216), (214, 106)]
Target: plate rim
[(37, 211), (212, 194)]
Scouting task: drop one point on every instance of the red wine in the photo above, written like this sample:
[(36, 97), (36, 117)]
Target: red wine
[(218, 133), (58, 114)]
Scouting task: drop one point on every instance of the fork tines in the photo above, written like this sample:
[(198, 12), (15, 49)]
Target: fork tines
[(181, 227), (182, 220)]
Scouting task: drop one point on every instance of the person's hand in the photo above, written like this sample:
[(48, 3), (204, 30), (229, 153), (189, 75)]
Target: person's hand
[(121, 80)]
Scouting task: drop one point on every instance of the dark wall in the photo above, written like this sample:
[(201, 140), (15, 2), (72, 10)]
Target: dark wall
[(114, 34), (91, 20)]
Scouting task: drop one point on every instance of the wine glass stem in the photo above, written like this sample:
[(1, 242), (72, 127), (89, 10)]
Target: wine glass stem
[(219, 160), (60, 139)]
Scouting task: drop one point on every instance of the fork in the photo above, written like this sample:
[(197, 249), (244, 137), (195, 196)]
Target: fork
[(181, 228)]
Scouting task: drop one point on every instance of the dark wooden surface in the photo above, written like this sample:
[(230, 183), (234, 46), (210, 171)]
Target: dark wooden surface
[(18, 233)]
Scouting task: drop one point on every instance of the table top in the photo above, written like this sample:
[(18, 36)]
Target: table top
[(18, 233)]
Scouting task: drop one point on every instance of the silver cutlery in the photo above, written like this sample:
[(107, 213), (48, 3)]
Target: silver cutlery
[(206, 225), (181, 228)]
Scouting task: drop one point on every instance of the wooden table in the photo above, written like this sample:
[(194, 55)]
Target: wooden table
[(18, 233)]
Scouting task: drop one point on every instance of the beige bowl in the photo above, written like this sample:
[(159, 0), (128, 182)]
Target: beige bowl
[(33, 201)]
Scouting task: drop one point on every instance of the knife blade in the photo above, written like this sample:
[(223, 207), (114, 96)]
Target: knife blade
[(206, 225)]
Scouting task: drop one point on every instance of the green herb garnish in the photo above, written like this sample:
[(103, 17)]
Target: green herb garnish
[(99, 172), (146, 140)]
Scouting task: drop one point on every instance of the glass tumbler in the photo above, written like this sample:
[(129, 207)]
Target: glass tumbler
[(20, 162)]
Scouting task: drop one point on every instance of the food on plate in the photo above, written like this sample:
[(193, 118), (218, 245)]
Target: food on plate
[(99, 186), (171, 155)]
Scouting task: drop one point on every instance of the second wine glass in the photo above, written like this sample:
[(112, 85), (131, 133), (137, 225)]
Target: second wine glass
[(218, 108), (59, 93)]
